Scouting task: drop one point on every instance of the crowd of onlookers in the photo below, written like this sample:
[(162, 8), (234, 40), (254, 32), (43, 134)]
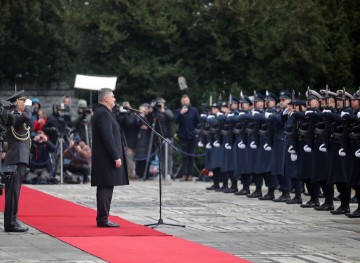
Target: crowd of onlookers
[(65, 133), (61, 135)]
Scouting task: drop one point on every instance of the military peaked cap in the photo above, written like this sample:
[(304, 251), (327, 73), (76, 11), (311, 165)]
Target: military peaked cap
[(329, 93), (258, 97), (270, 96), (285, 95), (246, 99), (17, 96), (347, 95), (313, 95)]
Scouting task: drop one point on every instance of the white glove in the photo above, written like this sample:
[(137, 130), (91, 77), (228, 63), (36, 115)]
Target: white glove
[(216, 143), (308, 111), (343, 113), (357, 153), (322, 148), (342, 153), (254, 112), (328, 111), (267, 147), (241, 145), (291, 150), (293, 157), (286, 111), (200, 144), (358, 115), (307, 149), (267, 114), (208, 146), (253, 145), (28, 102), (228, 146)]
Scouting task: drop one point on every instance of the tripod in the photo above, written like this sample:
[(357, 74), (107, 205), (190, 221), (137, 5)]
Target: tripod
[(162, 141)]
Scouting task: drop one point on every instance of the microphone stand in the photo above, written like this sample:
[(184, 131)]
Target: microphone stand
[(162, 139)]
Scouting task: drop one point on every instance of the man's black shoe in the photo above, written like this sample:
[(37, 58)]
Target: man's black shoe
[(355, 214), (325, 207), (107, 224), (295, 200), (230, 190), (255, 194), (311, 204), (16, 228), (213, 187), (342, 210), (243, 191), (267, 197), (282, 198)]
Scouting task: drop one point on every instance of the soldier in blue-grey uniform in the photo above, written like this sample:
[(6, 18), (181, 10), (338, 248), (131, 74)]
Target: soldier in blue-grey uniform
[(18, 154), (354, 152), (321, 145), (242, 168), (256, 152), (277, 121), (212, 160), (338, 166), (230, 148)]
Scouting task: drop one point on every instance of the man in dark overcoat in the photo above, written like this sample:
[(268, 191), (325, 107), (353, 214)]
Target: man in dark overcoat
[(108, 156), (18, 154)]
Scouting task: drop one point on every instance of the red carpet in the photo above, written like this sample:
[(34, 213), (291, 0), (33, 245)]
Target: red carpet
[(131, 243)]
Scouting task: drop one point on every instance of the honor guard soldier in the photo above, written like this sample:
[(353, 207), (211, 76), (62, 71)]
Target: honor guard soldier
[(277, 121), (266, 141), (242, 168), (338, 166), (321, 146), (354, 152), (18, 154)]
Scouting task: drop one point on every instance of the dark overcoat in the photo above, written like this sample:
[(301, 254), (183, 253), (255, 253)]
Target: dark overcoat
[(107, 146), (18, 138)]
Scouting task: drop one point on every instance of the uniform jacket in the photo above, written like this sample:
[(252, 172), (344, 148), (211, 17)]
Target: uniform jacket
[(19, 149), (107, 146)]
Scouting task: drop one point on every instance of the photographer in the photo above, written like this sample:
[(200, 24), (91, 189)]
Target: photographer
[(79, 155), (128, 121), (83, 121), (163, 118), (40, 164), (58, 123), (18, 153)]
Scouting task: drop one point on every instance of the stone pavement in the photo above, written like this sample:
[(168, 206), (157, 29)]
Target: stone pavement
[(260, 231)]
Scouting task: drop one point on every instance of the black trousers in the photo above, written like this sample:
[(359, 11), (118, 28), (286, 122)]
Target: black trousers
[(12, 194), (103, 202), (187, 162)]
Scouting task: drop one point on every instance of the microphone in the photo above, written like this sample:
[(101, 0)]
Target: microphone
[(130, 109)]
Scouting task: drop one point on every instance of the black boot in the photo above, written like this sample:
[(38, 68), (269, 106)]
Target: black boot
[(269, 196), (223, 187), (328, 205), (311, 203), (215, 185), (285, 196), (297, 198), (355, 214), (243, 191), (233, 188), (257, 193)]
